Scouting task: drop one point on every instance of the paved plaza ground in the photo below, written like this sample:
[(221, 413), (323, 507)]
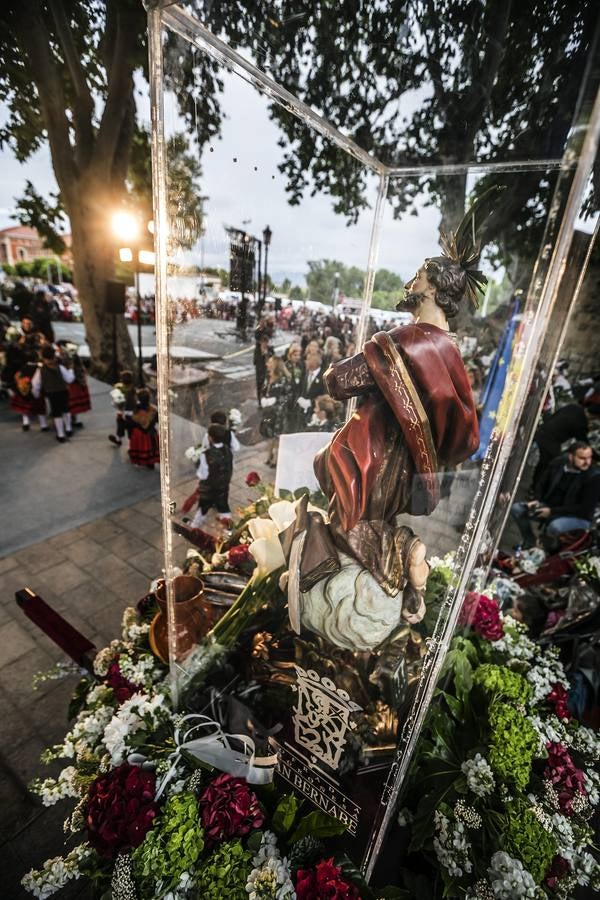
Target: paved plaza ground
[(100, 552)]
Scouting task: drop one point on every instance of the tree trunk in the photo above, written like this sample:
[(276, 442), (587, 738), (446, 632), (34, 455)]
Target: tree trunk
[(89, 207)]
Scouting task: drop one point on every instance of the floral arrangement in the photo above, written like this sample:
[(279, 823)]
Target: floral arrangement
[(504, 786), (499, 802), (149, 821)]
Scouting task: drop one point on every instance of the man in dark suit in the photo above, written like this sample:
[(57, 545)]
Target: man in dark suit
[(566, 496), (569, 423), (312, 384)]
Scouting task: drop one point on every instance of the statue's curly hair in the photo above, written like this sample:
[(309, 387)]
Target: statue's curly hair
[(450, 283)]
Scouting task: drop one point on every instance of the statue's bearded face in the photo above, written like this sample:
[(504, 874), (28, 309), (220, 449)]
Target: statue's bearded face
[(415, 292)]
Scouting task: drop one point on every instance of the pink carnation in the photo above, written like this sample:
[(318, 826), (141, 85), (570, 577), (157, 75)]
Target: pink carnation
[(567, 779), (559, 698), (228, 809), (482, 614)]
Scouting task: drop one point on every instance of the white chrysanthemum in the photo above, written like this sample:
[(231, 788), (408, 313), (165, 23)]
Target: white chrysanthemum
[(136, 714), (587, 742), (451, 846), (509, 879), (55, 873), (51, 790), (480, 778)]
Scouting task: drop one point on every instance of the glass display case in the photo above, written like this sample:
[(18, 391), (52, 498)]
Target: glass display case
[(307, 621)]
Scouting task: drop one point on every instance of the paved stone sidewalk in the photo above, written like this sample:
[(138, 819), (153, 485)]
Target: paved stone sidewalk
[(89, 574)]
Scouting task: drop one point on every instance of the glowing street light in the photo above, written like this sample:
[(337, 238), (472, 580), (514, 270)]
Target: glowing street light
[(125, 226)]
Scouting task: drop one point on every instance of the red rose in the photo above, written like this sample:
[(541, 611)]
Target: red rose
[(324, 882), (482, 615), (252, 479), (567, 779), (229, 809), (559, 698), (559, 867), (239, 555), (120, 809), (123, 688)]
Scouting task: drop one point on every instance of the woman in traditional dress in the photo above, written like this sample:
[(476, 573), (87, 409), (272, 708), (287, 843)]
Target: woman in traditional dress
[(22, 400), (143, 437)]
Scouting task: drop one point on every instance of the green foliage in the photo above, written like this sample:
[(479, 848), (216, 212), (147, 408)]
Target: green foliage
[(225, 873), (318, 824), (321, 282), (502, 682), (296, 293), (47, 216), (513, 745), (525, 839), (171, 847), (285, 813)]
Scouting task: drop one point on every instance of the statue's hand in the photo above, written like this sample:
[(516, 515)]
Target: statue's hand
[(418, 569)]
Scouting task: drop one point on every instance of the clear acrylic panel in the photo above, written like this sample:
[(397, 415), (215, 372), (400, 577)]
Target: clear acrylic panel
[(333, 668)]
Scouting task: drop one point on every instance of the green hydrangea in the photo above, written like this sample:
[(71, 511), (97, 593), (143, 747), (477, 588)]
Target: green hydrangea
[(513, 744), (225, 873), (171, 847), (525, 839), (502, 682)]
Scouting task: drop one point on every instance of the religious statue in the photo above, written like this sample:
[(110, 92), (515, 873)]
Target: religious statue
[(354, 575)]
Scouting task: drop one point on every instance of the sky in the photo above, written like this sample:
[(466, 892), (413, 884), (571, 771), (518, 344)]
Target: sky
[(250, 193)]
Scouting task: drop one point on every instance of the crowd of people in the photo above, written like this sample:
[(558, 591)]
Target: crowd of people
[(290, 388), (45, 378)]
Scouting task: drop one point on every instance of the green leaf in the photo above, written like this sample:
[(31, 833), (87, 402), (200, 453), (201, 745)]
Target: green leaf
[(285, 813), (79, 694), (254, 841), (354, 875), (454, 705), (318, 825)]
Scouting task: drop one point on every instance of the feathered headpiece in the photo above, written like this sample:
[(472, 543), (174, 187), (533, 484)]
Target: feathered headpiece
[(463, 247)]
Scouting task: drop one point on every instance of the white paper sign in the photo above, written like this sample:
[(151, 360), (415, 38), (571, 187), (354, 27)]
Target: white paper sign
[(295, 460)]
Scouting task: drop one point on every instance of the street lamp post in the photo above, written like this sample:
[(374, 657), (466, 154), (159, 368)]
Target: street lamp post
[(127, 228), (267, 235), (336, 290)]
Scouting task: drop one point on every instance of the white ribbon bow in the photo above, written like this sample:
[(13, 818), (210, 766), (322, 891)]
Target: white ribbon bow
[(215, 749)]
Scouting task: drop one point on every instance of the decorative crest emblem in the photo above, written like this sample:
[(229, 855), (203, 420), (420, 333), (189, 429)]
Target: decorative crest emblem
[(321, 717)]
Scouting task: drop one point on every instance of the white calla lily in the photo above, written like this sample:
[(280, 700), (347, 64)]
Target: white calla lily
[(268, 555), (262, 528), (283, 513)]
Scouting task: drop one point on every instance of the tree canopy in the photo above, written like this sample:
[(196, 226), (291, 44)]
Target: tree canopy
[(415, 82)]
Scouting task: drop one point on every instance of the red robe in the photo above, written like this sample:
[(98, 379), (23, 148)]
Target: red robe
[(419, 406)]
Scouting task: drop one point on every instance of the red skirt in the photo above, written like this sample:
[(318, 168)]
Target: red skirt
[(27, 406), (79, 398), (143, 447)]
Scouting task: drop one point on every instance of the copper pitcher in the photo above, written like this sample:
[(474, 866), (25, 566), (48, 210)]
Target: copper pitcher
[(191, 623)]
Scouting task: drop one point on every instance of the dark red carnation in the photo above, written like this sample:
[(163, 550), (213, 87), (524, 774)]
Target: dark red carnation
[(120, 809), (559, 867), (324, 882), (252, 479), (123, 688), (482, 614), (559, 699), (229, 809), (567, 779), (238, 555)]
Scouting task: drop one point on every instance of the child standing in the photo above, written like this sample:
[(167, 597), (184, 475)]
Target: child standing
[(22, 400), (143, 437), (79, 395), (52, 381), (214, 474), (219, 417), (124, 398)]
